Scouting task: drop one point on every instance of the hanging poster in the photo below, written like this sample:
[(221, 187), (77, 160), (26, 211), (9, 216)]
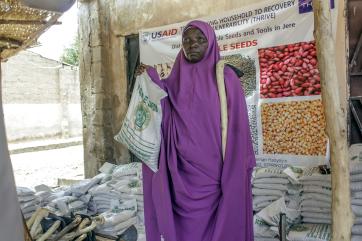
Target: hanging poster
[(273, 44)]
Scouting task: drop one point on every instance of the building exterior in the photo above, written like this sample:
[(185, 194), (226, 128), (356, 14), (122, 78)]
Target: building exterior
[(103, 68)]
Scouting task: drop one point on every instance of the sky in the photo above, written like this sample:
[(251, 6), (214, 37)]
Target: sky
[(58, 37)]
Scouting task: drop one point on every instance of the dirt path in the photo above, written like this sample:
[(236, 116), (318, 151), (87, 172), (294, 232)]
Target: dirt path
[(45, 167)]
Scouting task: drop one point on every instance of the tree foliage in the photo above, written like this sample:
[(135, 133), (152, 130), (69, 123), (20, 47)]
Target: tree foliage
[(71, 54)]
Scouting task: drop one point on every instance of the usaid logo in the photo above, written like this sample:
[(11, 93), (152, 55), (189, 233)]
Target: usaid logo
[(150, 36), (306, 6), (164, 34), (145, 37)]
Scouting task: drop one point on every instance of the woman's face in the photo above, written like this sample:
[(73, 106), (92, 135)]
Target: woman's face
[(194, 44)]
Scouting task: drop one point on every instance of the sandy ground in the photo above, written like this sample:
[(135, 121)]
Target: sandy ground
[(45, 167)]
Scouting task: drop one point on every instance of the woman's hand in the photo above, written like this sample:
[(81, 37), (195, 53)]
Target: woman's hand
[(141, 69)]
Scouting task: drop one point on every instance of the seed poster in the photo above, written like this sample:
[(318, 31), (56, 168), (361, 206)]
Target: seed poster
[(273, 44)]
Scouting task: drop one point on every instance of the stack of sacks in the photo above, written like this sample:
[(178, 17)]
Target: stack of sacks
[(102, 196), (81, 188), (64, 206), (127, 179), (29, 202), (45, 194), (356, 199), (265, 239), (140, 214), (266, 222), (127, 171), (74, 199), (100, 190), (262, 230), (106, 171), (316, 196), (269, 184), (47, 197), (310, 232), (293, 198), (118, 219), (44, 197), (130, 189), (117, 200), (137, 190)]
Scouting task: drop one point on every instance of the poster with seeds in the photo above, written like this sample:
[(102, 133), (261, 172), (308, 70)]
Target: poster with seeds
[(272, 44)]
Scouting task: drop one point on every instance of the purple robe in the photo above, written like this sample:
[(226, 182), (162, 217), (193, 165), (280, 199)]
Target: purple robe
[(196, 195)]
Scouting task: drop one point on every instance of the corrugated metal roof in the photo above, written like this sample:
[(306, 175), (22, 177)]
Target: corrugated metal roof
[(20, 26)]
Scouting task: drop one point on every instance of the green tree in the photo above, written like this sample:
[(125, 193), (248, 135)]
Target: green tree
[(71, 54)]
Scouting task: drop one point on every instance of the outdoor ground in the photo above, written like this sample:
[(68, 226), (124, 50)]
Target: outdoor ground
[(45, 167)]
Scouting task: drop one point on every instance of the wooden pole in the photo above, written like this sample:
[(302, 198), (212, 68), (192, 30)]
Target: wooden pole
[(11, 227), (336, 127), (27, 236), (26, 22)]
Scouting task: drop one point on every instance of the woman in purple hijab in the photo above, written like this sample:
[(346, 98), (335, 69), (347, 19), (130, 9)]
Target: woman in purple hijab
[(196, 195)]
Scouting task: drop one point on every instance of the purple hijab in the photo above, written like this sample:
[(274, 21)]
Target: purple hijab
[(195, 195)]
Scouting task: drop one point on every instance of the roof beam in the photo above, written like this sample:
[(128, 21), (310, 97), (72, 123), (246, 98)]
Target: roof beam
[(59, 6), (11, 41), (31, 38), (25, 22)]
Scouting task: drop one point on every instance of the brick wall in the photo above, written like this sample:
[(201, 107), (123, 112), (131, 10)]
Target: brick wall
[(41, 98)]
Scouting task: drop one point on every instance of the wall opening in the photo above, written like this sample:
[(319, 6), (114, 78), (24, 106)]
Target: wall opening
[(355, 70), (133, 61)]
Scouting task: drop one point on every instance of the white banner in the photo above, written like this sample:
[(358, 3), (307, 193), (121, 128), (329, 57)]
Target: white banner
[(273, 44)]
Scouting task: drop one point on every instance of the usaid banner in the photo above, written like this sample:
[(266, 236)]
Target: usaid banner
[(273, 43)]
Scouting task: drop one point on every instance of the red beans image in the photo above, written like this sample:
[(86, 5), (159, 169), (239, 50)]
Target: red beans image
[(289, 70)]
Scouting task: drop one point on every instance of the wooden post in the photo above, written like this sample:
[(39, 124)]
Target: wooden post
[(11, 227), (27, 236), (334, 110)]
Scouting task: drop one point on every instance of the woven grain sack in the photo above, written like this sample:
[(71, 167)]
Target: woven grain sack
[(141, 128)]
